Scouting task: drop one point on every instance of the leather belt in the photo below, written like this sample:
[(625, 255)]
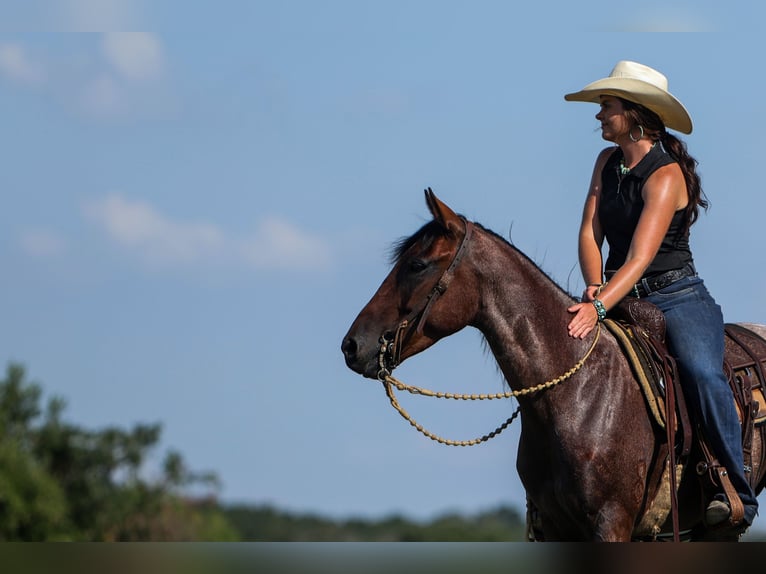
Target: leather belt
[(649, 285)]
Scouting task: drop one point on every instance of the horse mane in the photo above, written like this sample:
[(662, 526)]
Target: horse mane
[(433, 230)]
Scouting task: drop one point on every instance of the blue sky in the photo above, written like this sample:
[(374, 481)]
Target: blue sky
[(194, 216)]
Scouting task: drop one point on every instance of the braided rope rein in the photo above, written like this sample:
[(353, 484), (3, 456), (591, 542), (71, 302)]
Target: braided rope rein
[(390, 382)]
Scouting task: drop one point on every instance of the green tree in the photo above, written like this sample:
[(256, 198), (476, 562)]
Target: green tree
[(32, 504), (264, 523), (61, 481)]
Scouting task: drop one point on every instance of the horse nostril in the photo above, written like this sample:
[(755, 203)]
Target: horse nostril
[(349, 348)]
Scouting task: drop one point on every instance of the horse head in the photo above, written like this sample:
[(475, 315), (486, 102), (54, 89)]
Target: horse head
[(412, 309)]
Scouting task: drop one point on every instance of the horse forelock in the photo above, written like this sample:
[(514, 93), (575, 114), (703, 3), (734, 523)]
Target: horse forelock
[(426, 235), (423, 236)]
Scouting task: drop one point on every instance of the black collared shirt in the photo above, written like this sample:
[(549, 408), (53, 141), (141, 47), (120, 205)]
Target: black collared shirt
[(620, 208)]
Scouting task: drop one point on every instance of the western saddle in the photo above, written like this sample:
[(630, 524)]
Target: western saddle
[(639, 327)]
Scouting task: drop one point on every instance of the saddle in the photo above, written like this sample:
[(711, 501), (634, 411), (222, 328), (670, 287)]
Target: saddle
[(745, 367), (639, 327)]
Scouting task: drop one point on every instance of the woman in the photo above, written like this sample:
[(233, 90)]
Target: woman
[(644, 196)]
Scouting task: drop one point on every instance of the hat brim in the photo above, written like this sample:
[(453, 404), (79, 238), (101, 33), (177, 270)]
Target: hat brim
[(671, 111)]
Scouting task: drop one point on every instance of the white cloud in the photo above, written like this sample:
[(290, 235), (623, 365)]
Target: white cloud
[(130, 81), (281, 245), (97, 15), (136, 56), (122, 77), (666, 18), (138, 226), (16, 65), (41, 243)]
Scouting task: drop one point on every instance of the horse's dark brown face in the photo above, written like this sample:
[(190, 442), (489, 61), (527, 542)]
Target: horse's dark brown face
[(404, 294)]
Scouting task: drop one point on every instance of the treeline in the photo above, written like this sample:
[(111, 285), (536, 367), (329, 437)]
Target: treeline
[(62, 482), (59, 481), (269, 524)]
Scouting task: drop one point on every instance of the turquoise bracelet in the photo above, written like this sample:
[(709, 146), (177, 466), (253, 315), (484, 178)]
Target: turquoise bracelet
[(600, 309)]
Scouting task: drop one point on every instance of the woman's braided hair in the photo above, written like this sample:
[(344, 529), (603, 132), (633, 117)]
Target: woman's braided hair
[(655, 129)]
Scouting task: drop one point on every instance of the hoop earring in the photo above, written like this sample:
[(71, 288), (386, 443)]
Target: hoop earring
[(630, 134)]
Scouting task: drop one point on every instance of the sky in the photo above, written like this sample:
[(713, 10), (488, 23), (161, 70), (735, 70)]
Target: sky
[(193, 216)]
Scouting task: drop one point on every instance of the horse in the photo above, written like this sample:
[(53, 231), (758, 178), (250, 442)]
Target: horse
[(589, 456)]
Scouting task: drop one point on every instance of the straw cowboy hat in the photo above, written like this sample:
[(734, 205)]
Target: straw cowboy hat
[(642, 85)]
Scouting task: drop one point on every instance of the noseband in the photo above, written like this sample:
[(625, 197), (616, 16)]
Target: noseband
[(389, 356)]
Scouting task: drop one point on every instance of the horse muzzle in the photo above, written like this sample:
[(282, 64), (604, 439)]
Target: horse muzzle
[(360, 357)]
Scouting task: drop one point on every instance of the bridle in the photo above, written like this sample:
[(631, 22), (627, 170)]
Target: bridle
[(391, 345)]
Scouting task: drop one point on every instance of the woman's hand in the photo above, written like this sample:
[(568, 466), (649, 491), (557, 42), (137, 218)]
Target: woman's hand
[(585, 318), (590, 293)]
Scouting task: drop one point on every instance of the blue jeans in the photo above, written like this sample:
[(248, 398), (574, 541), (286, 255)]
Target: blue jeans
[(695, 337)]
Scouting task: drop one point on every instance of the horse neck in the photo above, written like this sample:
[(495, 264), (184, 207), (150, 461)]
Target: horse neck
[(523, 317)]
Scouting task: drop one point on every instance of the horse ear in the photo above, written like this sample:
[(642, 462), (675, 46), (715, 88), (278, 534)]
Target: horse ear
[(448, 219)]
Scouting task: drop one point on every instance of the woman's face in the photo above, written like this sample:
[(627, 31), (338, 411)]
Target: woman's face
[(614, 123)]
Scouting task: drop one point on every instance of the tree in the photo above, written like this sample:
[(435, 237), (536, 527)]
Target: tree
[(61, 481), (32, 504)]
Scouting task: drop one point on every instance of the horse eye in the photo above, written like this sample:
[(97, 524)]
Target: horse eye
[(417, 265)]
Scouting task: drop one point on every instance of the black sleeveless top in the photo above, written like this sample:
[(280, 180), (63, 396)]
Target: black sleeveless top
[(620, 207)]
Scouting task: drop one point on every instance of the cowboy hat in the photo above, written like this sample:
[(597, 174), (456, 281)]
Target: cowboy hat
[(641, 85)]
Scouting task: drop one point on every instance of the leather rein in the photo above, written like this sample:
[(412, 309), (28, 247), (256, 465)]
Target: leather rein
[(391, 345)]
